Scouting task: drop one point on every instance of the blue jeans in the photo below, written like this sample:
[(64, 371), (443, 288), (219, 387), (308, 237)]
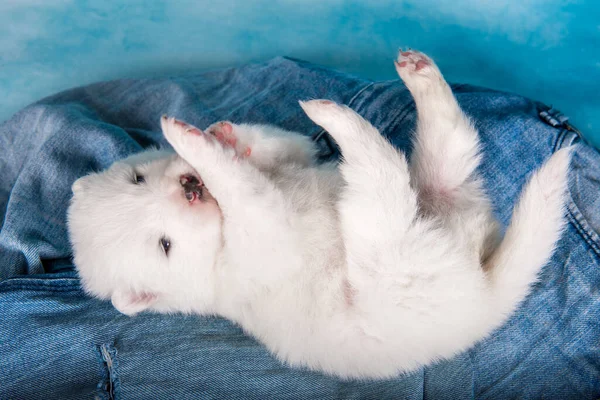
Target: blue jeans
[(56, 342)]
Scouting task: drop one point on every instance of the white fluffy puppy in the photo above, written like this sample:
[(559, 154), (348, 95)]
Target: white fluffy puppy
[(363, 270)]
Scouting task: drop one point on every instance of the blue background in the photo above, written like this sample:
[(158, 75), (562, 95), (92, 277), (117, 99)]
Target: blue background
[(544, 49)]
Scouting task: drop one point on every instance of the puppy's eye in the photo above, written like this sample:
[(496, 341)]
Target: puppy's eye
[(137, 179), (165, 244)]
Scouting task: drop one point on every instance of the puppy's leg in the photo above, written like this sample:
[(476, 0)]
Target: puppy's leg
[(255, 221), (446, 154), (377, 205), (446, 146), (265, 146)]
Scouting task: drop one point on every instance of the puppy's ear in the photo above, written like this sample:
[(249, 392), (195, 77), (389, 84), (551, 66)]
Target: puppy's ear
[(131, 303), (79, 185)]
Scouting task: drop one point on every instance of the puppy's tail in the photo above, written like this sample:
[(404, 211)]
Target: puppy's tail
[(536, 225)]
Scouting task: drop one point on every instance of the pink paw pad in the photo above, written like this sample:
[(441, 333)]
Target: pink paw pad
[(421, 64), (223, 132), (226, 128), (413, 59)]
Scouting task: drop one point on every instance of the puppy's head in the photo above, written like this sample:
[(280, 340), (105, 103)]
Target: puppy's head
[(146, 234)]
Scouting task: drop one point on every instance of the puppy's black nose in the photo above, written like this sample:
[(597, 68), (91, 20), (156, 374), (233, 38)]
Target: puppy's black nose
[(192, 187), (189, 181)]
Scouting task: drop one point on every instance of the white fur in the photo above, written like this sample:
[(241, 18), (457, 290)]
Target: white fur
[(363, 271)]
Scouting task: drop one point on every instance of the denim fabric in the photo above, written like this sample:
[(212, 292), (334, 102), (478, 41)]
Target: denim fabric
[(55, 342)]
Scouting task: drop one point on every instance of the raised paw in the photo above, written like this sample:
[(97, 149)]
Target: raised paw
[(225, 133), (324, 112), (413, 60), (419, 73), (413, 63), (179, 125), (177, 132), (171, 125), (188, 141), (356, 137)]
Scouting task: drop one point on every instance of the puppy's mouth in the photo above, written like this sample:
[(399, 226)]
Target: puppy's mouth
[(193, 188)]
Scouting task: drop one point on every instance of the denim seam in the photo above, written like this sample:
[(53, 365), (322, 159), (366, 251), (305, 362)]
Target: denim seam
[(401, 114), (359, 93), (589, 235), (400, 117), (109, 385), (102, 391), (404, 112), (562, 137)]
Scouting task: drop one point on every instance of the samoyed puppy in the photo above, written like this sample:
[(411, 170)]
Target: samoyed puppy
[(366, 269)]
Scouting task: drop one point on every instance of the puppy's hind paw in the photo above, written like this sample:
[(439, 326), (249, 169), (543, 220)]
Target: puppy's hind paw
[(322, 112), (413, 66)]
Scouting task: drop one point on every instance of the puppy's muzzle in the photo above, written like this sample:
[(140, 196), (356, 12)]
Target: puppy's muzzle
[(192, 187)]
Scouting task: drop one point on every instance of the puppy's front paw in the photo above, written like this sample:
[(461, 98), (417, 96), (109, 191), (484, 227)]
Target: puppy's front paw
[(223, 131), (185, 139), (227, 134), (191, 143)]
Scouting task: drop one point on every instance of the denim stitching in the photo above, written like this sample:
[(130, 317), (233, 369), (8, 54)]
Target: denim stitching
[(404, 112), (400, 115), (589, 235), (110, 382), (102, 392)]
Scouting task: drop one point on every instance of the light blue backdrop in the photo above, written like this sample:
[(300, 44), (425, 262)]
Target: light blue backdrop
[(545, 49)]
